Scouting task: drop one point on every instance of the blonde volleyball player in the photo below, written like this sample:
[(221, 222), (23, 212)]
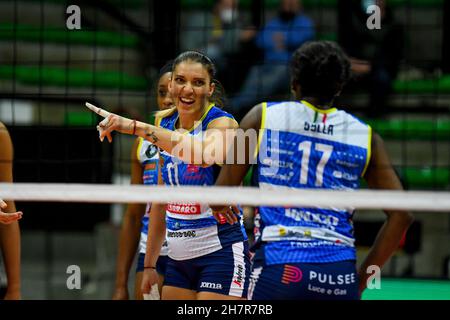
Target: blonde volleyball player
[(144, 170), (207, 259), (309, 253), (9, 226)]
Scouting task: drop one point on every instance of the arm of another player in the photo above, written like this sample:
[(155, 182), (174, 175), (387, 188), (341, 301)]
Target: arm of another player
[(155, 240), (129, 233), (381, 175), (233, 172), (9, 233)]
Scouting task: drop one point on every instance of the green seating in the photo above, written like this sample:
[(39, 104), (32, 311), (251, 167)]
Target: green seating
[(329, 36), (88, 119), (61, 35), (438, 129), (80, 119), (426, 177), (50, 76), (409, 289), (437, 85)]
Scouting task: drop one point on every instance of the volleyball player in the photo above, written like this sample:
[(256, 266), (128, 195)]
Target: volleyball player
[(207, 259), (309, 253), (9, 226), (144, 170)]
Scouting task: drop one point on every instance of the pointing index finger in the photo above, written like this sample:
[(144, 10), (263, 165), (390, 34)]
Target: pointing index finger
[(97, 110)]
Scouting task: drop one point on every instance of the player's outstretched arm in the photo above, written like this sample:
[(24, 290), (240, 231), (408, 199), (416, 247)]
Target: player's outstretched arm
[(202, 152), (233, 172)]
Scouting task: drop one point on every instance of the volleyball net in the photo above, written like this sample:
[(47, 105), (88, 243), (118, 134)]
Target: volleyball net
[(307, 198), (73, 189), (49, 250)]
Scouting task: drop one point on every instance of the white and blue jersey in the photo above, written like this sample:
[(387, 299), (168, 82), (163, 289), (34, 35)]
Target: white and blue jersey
[(192, 230), (148, 157), (301, 146)]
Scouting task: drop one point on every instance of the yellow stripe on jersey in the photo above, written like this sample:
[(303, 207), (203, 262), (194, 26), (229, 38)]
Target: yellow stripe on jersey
[(157, 121), (138, 149), (369, 150), (263, 125), (309, 105), (199, 122), (224, 117)]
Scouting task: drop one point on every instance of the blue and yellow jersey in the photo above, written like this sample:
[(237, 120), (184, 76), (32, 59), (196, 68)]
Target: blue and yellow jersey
[(148, 157), (192, 231), (301, 146)]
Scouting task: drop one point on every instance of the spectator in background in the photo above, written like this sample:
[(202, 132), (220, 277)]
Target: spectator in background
[(226, 36), (215, 33), (375, 54), (278, 40), (9, 227)]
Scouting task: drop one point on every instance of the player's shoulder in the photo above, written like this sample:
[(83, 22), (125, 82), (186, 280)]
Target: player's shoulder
[(280, 104), (4, 134), (163, 116), (215, 116), (216, 112), (350, 118)]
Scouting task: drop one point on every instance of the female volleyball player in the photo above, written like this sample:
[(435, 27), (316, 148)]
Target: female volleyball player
[(144, 170), (207, 259), (9, 226), (309, 253)]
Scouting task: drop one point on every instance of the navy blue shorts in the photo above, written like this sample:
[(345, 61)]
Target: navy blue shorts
[(304, 281), (161, 264), (225, 271)]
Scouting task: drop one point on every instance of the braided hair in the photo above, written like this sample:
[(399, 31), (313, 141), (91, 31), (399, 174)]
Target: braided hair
[(321, 69)]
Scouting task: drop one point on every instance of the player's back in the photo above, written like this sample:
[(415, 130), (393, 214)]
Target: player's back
[(305, 147)]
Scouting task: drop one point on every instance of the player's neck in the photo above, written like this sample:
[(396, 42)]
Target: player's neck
[(316, 103), (187, 121)]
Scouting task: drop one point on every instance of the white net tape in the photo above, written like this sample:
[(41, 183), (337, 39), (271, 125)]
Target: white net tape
[(95, 193)]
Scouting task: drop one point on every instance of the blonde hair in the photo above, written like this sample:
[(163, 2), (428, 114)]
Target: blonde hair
[(164, 113)]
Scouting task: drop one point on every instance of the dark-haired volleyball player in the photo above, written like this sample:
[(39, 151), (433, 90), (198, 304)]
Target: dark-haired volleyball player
[(309, 253), (144, 170), (208, 259)]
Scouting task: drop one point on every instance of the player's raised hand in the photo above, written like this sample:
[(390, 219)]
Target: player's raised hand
[(111, 122), (8, 217)]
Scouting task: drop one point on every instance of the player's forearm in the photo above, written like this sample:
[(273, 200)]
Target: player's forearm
[(128, 243), (10, 245), (232, 174), (156, 234), (183, 146), (387, 241)]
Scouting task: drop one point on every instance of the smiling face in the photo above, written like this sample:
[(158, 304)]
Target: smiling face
[(191, 88), (164, 99)]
